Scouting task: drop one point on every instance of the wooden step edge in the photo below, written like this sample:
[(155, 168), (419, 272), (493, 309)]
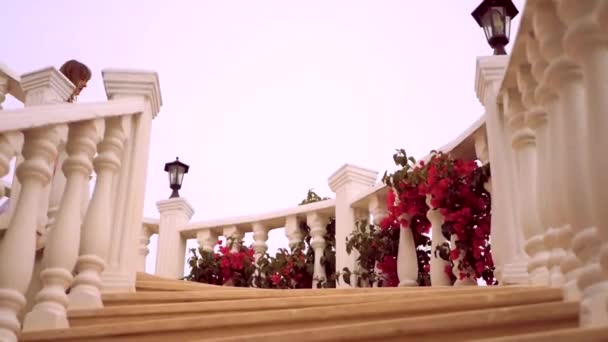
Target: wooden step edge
[(427, 328), (480, 299), (192, 296), (596, 334), (228, 322)]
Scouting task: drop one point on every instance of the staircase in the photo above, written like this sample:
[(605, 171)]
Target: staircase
[(171, 310)]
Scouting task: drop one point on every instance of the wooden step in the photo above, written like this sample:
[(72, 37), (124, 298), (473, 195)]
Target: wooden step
[(426, 303), (599, 334), (156, 297), (407, 317)]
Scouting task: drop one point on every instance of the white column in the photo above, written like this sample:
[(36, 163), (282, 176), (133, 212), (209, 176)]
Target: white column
[(60, 254), (95, 241), (175, 213), (237, 236), (347, 182), (407, 259), (34, 173), (438, 265), (318, 228), (507, 247), (130, 184), (260, 236), (207, 240), (144, 241), (293, 232)]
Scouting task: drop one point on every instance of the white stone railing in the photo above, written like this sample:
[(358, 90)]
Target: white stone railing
[(56, 147), (546, 124), (173, 229)]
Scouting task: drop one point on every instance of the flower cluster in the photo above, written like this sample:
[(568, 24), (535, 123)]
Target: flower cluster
[(457, 191), (286, 270), (233, 265)]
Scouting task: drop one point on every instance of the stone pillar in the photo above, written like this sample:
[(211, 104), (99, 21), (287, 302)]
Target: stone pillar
[(130, 183), (348, 182), (174, 214), (507, 247)]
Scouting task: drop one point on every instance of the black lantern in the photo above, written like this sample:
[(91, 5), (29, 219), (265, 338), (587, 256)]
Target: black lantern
[(176, 171), (495, 16)]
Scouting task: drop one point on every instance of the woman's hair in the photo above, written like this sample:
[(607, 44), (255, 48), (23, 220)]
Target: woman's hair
[(75, 71)]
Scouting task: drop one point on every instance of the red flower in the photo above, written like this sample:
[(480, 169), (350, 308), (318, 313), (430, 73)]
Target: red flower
[(275, 279), (454, 254)]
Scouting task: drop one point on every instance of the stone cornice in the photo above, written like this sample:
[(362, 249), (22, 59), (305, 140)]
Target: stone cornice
[(352, 174), (175, 204), (46, 86), (133, 83)]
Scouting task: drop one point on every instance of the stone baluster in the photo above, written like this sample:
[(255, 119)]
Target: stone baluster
[(318, 227), (556, 255), (585, 42), (237, 235), (143, 250), (46, 86), (602, 18), (260, 236), (293, 232), (175, 213), (61, 253), (439, 277), (537, 100), (523, 141), (378, 209), (507, 245), (130, 183), (207, 240), (19, 240), (571, 266), (95, 241), (407, 259), (565, 77)]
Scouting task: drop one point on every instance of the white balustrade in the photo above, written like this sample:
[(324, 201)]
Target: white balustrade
[(407, 259), (208, 232), (95, 241), (60, 254), (559, 66), (34, 134)]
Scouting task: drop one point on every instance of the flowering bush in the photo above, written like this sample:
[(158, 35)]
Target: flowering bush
[(284, 270), (377, 249), (228, 267), (406, 203), (457, 191)]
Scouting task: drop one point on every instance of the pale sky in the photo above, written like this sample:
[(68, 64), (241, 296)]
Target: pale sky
[(266, 99)]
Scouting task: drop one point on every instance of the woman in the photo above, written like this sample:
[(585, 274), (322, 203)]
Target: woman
[(78, 73)]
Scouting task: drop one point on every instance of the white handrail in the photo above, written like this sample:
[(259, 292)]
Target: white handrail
[(271, 220), (46, 115)]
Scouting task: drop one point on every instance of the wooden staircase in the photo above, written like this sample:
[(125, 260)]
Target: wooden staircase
[(171, 310)]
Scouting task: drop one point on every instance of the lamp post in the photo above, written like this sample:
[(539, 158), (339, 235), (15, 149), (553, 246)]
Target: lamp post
[(495, 16), (176, 171)]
